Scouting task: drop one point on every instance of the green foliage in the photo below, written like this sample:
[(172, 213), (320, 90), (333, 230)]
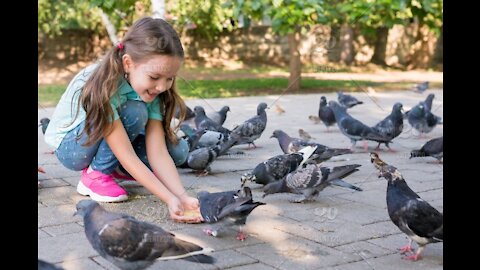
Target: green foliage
[(287, 16), (208, 18)]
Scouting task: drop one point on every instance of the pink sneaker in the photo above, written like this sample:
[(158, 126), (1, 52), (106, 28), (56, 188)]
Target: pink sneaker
[(100, 187), (122, 177)]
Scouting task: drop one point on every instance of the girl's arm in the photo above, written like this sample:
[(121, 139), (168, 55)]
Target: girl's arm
[(163, 165), (122, 148)]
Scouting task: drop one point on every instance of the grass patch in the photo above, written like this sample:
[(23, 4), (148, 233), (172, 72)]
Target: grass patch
[(50, 95)]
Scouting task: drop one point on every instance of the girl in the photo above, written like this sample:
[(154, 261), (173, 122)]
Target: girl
[(118, 112)]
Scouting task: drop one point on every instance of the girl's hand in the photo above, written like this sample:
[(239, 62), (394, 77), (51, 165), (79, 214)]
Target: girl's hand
[(176, 210), (189, 203)]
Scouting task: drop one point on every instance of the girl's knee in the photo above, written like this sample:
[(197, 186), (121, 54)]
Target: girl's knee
[(134, 115), (178, 152)]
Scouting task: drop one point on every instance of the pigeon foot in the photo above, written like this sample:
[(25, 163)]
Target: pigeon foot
[(241, 236)]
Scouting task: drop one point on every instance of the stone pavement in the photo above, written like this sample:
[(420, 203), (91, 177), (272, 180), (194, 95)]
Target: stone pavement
[(342, 229)]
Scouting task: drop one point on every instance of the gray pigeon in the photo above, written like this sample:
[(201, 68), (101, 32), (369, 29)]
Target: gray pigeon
[(392, 125), (43, 265), (421, 87), (309, 181), (227, 210), (201, 159), (347, 101), (432, 148), (44, 124), (252, 129), (132, 244), (292, 145), (188, 113), (354, 129), (203, 122), (411, 214), (219, 116), (326, 114), (422, 119), (275, 168)]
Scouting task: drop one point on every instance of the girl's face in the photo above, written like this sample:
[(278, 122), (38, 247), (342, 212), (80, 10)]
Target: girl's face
[(153, 76)]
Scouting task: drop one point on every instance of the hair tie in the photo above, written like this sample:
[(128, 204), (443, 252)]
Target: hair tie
[(120, 46)]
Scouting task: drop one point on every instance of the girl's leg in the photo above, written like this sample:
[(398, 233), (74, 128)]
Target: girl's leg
[(98, 183)]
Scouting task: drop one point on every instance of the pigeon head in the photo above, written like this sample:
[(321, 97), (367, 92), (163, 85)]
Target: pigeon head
[(225, 109), (374, 157), (84, 207), (199, 110), (247, 177), (278, 134), (261, 107), (275, 187), (323, 101), (336, 107), (397, 107)]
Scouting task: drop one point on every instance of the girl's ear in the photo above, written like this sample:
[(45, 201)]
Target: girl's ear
[(127, 63)]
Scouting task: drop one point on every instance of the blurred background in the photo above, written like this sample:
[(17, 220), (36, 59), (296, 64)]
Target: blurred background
[(256, 47)]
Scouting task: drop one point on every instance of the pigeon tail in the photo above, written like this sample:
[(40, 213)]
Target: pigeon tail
[(195, 253), (341, 183), (417, 153)]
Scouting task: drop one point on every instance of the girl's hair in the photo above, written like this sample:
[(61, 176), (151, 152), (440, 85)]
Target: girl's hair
[(145, 38)]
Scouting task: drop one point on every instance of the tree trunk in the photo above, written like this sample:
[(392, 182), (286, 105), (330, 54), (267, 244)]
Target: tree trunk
[(295, 64), (437, 59), (333, 49), (158, 9), (380, 49), (420, 56), (346, 44), (112, 32)]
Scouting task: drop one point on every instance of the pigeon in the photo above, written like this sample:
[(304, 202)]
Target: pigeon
[(252, 129), (279, 109), (44, 124), (422, 119), (354, 129), (43, 265), (429, 101), (275, 168), (392, 125), (227, 211), (421, 87), (415, 217), (201, 159), (326, 114), (292, 145), (315, 119), (312, 179), (347, 101), (132, 244), (432, 148), (203, 122), (304, 135), (220, 116), (188, 113)]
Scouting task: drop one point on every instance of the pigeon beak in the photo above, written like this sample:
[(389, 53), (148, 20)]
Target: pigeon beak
[(74, 214), (263, 196)]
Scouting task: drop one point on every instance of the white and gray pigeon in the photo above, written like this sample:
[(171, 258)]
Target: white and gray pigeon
[(219, 116), (132, 244), (275, 168), (354, 129), (44, 124), (392, 126), (208, 138), (432, 148), (347, 101), (227, 211), (421, 87), (44, 265), (203, 122), (326, 114), (415, 217), (309, 181), (252, 129), (291, 145)]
